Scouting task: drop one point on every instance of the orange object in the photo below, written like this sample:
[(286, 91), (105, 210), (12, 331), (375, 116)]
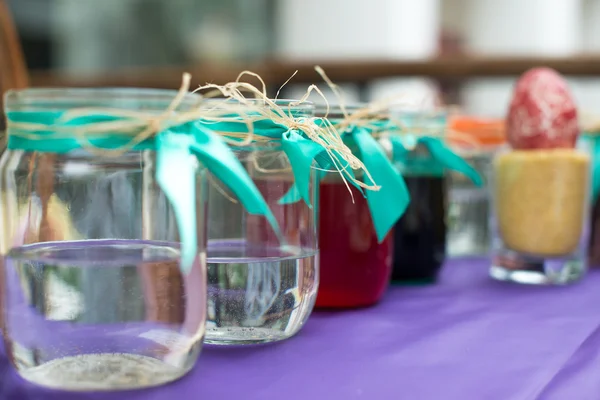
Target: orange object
[(476, 132)]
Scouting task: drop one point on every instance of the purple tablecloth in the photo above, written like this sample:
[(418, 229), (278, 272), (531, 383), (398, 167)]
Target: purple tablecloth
[(464, 338)]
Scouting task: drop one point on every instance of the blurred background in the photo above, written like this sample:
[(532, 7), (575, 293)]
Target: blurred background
[(465, 52)]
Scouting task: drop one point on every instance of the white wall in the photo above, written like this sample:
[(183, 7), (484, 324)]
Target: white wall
[(350, 29), (558, 28), (518, 27)]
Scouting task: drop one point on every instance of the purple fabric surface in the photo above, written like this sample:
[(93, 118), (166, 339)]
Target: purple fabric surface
[(465, 338)]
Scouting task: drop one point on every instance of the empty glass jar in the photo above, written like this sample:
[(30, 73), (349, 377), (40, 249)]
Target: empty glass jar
[(476, 140), (262, 284), (93, 294)]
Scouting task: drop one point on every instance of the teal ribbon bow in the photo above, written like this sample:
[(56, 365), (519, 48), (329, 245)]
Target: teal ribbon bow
[(386, 205), (440, 158), (301, 152), (176, 147), (389, 203)]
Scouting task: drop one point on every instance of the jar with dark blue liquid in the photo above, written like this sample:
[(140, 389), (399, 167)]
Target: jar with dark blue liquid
[(420, 235), (420, 154)]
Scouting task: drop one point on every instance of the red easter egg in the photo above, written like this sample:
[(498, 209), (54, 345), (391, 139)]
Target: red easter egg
[(542, 113)]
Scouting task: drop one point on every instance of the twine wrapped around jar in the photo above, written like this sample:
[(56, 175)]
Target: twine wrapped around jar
[(177, 134)]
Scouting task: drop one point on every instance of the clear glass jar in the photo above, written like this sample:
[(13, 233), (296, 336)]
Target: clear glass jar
[(261, 289), (540, 216), (93, 297), (476, 140), (469, 209), (355, 267)]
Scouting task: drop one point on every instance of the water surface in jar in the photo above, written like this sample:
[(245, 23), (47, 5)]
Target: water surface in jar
[(60, 332), (258, 293), (262, 289)]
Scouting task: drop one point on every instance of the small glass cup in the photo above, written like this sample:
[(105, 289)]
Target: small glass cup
[(476, 140), (262, 289), (355, 268), (93, 297), (539, 221), (468, 210)]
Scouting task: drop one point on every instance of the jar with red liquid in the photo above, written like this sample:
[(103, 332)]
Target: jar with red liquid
[(355, 265)]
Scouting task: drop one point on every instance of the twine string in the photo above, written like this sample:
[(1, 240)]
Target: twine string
[(140, 126), (264, 108)]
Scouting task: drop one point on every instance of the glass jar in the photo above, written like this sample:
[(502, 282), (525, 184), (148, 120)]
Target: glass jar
[(540, 215), (468, 210), (476, 140), (261, 285), (93, 296), (420, 235), (355, 265)]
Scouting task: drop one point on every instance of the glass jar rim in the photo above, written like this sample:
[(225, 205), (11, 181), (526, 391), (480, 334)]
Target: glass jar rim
[(335, 111), (47, 99), (410, 112), (295, 105)]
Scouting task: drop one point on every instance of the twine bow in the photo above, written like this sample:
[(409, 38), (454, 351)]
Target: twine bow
[(305, 140)]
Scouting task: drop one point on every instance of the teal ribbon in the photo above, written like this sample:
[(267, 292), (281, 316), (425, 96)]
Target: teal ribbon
[(176, 147), (386, 205), (439, 159), (389, 203), (593, 146), (302, 153)]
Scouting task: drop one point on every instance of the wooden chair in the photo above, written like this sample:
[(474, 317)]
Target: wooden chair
[(164, 286), (13, 72), (14, 75)]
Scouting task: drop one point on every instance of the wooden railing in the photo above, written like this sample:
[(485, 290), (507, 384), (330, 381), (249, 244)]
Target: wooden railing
[(275, 73)]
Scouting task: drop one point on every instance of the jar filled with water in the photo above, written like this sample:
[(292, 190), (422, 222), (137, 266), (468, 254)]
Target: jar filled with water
[(93, 295), (262, 284)]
